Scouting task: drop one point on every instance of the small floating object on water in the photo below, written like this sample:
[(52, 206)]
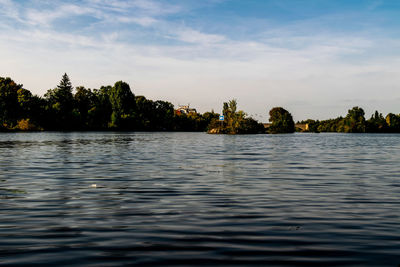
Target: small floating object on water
[(93, 185)]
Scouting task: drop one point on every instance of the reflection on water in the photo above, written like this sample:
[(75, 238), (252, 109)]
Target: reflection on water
[(192, 198)]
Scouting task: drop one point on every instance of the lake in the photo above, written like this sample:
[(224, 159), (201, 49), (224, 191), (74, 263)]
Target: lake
[(112, 199)]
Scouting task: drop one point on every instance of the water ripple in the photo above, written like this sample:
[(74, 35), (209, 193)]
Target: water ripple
[(115, 199)]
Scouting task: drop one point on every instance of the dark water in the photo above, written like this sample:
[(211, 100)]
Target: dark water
[(111, 199)]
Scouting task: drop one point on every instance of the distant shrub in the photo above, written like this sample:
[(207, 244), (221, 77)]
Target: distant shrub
[(27, 125)]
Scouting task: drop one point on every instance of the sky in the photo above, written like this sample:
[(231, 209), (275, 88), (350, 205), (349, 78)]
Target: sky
[(316, 58)]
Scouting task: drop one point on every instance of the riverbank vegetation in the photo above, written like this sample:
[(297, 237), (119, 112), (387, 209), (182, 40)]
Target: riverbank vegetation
[(116, 108), (64, 108), (235, 122), (355, 122)]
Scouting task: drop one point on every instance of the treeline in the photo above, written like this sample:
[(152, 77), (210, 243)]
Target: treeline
[(355, 122), (108, 108), (236, 122), (117, 108)]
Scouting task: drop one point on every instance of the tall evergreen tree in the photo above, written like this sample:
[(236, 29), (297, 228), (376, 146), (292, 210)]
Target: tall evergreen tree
[(65, 84), (61, 104)]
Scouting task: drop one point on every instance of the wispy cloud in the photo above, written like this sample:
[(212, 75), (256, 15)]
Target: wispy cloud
[(9, 10), (196, 37), (143, 21), (46, 17), (168, 55)]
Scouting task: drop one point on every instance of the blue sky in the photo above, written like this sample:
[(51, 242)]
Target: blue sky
[(317, 58)]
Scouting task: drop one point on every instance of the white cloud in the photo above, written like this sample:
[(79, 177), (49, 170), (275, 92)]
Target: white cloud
[(258, 75), (9, 10), (193, 36), (47, 16), (144, 7), (311, 78), (143, 21)]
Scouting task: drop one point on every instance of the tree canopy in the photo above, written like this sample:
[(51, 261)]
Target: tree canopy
[(235, 122), (281, 121), (60, 105), (107, 108), (355, 122)]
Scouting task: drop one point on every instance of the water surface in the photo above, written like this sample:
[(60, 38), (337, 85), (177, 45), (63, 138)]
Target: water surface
[(115, 199)]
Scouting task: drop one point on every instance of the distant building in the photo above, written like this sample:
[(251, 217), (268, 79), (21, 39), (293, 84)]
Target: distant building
[(186, 110)]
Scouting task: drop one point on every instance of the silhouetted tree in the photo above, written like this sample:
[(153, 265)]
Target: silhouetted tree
[(393, 122), (282, 121), (376, 124), (60, 105), (99, 113), (10, 109), (84, 101), (123, 105)]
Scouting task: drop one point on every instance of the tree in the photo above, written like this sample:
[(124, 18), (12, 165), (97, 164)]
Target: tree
[(376, 124), (208, 118), (83, 103), (24, 101), (250, 126), (163, 115), (354, 122), (18, 107), (9, 106), (393, 121), (232, 118), (123, 105), (312, 125), (144, 113), (60, 104), (235, 122), (282, 121), (192, 122), (99, 113)]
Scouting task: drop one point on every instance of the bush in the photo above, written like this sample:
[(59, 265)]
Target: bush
[(27, 125)]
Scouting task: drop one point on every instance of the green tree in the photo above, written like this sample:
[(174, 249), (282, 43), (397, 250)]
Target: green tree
[(60, 105), (163, 115), (250, 126), (10, 109), (232, 118), (144, 111), (376, 124), (192, 122), (354, 122), (208, 118), (393, 122), (24, 101), (331, 125), (123, 105), (282, 121), (19, 107), (235, 122), (99, 113), (312, 125), (84, 101), (38, 112)]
